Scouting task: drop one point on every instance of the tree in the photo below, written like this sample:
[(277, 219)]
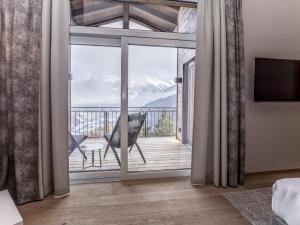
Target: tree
[(163, 125)]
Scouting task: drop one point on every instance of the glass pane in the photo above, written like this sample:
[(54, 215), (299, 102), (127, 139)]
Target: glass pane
[(119, 24), (136, 26), (153, 127), (95, 105), (116, 24), (169, 17)]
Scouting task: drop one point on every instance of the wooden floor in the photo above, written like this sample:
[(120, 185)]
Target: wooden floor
[(161, 153), (145, 202)]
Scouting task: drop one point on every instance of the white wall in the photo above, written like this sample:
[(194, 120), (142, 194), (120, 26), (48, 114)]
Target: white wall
[(272, 29)]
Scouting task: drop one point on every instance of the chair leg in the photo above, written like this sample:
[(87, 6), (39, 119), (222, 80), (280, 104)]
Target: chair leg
[(116, 155), (82, 153), (106, 150), (83, 160), (141, 153), (130, 148), (100, 157)]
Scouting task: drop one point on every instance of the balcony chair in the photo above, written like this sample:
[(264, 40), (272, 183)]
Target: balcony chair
[(74, 143), (135, 124)]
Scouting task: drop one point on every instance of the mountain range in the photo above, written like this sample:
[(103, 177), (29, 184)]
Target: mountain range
[(151, 92), (169, 101)]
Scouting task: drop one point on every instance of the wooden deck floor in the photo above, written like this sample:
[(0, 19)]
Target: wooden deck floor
[(161, 153)]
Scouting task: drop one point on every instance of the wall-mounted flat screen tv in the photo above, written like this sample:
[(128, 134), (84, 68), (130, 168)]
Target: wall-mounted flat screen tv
[(277, 80)]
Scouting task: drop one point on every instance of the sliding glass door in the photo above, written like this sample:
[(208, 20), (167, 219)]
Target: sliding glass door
[(127, 107), (152, 94), (151, 128), (95, 106)]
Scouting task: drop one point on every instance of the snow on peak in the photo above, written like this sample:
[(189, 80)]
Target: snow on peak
[(153, 85)]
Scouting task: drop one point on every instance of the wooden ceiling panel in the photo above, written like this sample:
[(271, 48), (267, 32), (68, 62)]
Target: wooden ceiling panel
[(87, 6), (151, 20), (167, 13), (162, 17), (97, 17), (79, 4)]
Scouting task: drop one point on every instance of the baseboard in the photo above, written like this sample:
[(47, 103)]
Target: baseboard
[(272, 172)]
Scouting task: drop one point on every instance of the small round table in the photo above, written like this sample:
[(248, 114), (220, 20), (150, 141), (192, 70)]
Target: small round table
[(93, 149)]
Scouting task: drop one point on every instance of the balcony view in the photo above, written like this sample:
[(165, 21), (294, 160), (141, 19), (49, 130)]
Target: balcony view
[(152, 91)]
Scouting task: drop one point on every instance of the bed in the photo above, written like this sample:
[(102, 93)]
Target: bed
[(9, 214), (286, 202)]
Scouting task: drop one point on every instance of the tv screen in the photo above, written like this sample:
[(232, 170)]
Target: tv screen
[(277, 80)]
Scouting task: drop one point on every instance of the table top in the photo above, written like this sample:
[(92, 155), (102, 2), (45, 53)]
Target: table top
[(91, 147)]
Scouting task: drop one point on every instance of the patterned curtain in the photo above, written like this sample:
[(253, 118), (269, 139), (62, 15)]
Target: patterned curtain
[(235, 91), (20, 68), (3, 168), (34, 48)]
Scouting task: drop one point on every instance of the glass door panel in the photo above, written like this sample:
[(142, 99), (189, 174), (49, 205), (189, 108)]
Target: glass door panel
[(95, 106), (153, 143), (133, 92)]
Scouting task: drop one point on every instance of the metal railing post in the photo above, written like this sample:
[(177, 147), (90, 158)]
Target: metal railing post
[(145, 125), (105, 123)]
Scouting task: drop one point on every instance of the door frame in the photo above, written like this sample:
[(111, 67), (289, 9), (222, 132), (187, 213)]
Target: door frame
[(185, 96), (123, 38)]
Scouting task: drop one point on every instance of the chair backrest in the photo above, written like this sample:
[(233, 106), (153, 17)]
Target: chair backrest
[(75, 141), (135, 124)]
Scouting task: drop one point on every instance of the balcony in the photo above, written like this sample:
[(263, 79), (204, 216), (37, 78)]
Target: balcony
[(161, 153), (157, 139)]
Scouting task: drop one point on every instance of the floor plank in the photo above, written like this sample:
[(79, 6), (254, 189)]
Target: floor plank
[(172, 201)]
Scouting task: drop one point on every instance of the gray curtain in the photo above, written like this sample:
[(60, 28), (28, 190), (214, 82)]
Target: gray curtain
[(54, 157), (219, 116), (33, 99)]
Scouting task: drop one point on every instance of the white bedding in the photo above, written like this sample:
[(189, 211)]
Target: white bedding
[(9, 214), (286, 200)]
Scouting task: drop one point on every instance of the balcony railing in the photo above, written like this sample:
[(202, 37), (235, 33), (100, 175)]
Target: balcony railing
[(97, 121)]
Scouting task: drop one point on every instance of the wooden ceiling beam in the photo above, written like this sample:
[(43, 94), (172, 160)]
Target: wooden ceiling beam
[(164, 12), (125, 15), (164, 2), (151, 20)]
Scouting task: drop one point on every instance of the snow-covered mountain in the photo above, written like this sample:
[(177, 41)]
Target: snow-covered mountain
[(153, 89), (150, 85), (169, 101), (106, 92)]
